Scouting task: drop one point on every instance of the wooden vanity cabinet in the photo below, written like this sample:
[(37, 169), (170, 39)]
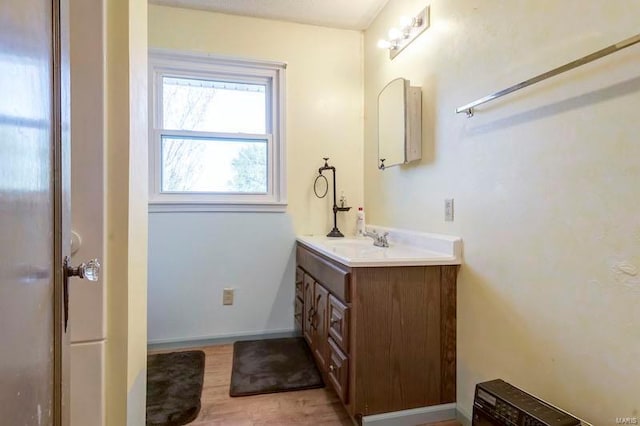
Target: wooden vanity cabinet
[(383, 337)]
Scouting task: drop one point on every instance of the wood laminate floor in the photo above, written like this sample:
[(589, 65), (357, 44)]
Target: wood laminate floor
[(307, 407)]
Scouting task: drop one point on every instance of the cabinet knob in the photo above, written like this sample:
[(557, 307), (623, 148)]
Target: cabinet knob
[(332, 368), (334, 321)]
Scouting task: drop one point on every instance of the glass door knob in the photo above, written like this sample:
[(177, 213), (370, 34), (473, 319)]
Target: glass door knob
[(89, 271)]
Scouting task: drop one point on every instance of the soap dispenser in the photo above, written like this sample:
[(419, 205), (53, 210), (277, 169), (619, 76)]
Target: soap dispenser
[(360, 224)]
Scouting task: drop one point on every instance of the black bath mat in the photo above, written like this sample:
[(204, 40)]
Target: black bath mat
[(273, 365), (174, 386)]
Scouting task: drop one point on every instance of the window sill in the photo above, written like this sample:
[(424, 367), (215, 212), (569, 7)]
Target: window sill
[(165, 207)]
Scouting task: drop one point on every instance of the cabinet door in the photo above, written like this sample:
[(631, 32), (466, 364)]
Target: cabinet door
[(299, 283), (320, 345), (338, 370), (308, 309), (297, 315)]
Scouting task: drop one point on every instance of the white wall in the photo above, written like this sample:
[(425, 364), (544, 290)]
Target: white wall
[(251, 252), (193, 256), (546, 187)]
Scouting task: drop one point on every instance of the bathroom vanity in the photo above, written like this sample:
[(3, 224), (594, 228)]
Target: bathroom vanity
[(381, 322)]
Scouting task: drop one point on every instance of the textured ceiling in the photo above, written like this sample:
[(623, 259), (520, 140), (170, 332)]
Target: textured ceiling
[(350, 14)]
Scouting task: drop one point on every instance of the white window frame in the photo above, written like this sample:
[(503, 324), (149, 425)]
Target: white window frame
[(172, 63)]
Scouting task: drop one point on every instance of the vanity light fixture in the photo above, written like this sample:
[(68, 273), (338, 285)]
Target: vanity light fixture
[(410, 29)]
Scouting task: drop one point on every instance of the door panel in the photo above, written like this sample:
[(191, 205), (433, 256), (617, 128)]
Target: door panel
[(338, 319), (30, 215), (298, 314), (308, 313), (338, 370), (300, 283), (320, 336)]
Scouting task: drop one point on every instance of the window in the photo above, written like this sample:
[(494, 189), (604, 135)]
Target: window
[(217, 134)]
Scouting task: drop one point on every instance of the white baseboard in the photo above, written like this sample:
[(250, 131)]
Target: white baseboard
[(415, 416), (221, 339), (463, 417)]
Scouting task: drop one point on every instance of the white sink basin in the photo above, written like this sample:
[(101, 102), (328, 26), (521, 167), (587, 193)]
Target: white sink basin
[(354, 248), (350, 243), (360, 252)]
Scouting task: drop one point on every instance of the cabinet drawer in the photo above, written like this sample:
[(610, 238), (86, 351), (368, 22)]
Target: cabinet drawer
[(338, 370), (298, 314), (339, 323), (300, 283), (333, 276)]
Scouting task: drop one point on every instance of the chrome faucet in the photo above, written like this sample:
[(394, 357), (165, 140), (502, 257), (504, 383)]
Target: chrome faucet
[(378, 240)]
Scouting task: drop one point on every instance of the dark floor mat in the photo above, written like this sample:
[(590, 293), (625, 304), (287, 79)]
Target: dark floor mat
[(174, 386), (273, 365)]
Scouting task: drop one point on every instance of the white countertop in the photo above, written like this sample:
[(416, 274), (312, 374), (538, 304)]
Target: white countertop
[(406, 248)]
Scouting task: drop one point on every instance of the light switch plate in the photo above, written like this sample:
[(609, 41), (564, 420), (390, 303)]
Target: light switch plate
[(227, 296), (448, 210)]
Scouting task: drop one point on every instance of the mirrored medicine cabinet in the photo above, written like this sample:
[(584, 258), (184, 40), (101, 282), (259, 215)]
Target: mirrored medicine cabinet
[(399, 124)]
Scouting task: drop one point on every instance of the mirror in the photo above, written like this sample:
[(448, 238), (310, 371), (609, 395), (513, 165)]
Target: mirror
[(399, 124)]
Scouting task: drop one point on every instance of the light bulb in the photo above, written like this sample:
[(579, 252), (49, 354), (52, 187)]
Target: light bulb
[(405, 21), (395, 34), (384, 44)]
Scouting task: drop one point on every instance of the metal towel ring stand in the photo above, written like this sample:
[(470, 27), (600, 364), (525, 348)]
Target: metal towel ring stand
[(315, 183)]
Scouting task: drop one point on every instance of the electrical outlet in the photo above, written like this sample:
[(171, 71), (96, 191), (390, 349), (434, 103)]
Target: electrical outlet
[(227, 296), (448, 210)]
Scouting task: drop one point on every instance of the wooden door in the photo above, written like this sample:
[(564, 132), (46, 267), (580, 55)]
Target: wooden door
[(34, 206), (320, 345)]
